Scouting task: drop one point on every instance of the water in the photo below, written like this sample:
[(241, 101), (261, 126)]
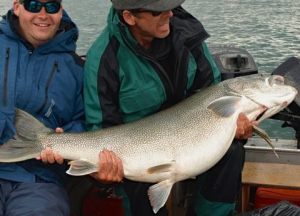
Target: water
[(268, 29)]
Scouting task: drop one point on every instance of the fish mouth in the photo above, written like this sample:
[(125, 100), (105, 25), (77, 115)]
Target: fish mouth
[(261, 115), (269, 111)]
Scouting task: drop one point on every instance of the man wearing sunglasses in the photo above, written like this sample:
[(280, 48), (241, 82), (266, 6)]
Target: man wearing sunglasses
[(151, 55), (41, 74)]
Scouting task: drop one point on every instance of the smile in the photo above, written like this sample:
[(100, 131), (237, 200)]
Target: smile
[(42, 25)]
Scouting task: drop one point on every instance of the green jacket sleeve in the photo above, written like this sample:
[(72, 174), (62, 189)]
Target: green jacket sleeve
[(101, 85)]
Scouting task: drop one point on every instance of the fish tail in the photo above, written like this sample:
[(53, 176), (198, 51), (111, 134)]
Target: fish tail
[(26, 144)]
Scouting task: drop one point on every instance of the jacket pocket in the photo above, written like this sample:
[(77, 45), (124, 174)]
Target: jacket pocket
[(47, 115), (144, 101), (5, 77), (48, 83)]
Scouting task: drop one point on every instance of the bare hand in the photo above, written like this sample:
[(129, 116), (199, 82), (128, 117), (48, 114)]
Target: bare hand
[(110, 168), (244, 127), (48, 156)]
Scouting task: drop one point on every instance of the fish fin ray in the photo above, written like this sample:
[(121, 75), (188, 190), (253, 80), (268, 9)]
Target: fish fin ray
[(81, 167), (263, 134), (18, 150), (160, 168), (224, 106), (28, 127), (26, 143), (159, 193)]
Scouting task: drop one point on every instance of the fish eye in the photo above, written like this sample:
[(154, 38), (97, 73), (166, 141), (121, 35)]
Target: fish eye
[(276, 80)]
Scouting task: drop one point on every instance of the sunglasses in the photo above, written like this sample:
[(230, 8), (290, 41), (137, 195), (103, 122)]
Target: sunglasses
[(35, 6), (153, 13)]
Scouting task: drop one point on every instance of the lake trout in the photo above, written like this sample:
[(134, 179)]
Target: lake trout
[(178, 143)]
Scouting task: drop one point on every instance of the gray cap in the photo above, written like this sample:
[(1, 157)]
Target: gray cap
[(22, 1), (153, 5)]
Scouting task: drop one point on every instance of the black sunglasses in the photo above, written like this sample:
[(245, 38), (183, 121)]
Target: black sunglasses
[(35, 6), (154, 13)]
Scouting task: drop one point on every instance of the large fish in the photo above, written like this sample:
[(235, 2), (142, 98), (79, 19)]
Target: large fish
[(172, 145)]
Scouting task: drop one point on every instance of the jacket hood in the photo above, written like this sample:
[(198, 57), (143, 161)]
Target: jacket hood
[(118, 28), (64, 41)]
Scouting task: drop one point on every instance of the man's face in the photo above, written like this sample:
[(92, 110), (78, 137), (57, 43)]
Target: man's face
[(147, 26), (37, 28)]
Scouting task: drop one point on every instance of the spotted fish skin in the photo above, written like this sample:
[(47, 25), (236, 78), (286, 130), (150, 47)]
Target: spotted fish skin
[(172, 145)]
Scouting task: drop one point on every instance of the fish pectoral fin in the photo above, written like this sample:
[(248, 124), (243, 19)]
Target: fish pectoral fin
[(160, 168), (159, 193), (225, 106), (81, 167)]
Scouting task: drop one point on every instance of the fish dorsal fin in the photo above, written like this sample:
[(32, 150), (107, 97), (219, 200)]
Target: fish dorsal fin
[(161, 168), (159, 193), (225, 106), (81, 167)]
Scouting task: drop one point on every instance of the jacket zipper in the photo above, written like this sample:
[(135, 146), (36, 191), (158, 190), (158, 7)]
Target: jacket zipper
[(180, 78), (53, 71), (5, 86), (168, 83)]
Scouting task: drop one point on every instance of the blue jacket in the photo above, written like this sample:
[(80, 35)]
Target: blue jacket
[(47, 83)]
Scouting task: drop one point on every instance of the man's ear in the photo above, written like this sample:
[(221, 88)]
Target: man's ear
[(128, 17), (16, 7), (61, 14)]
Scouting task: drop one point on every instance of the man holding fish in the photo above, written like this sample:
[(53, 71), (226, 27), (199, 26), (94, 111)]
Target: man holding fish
[(151, 55), (40, 73)]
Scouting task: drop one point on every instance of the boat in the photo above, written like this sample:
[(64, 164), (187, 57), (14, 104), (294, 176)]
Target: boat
[(267, 178)]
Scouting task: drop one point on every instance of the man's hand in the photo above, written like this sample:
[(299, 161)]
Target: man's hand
[(48, 156), (244, 127), (110, 168)]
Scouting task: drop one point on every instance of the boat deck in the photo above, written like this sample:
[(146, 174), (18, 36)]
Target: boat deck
[(263, 168)]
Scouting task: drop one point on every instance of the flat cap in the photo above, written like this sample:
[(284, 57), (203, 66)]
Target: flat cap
[(153, 5)]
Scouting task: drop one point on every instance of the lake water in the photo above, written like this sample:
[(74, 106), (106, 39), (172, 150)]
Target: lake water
[(268, 29)]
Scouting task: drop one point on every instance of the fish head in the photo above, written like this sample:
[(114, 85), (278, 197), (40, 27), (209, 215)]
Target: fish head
[(265, 94)]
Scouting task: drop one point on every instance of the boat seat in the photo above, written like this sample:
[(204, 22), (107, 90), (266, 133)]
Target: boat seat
[(268, 175)]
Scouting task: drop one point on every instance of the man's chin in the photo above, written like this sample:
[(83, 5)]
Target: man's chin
[(161, 36)]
